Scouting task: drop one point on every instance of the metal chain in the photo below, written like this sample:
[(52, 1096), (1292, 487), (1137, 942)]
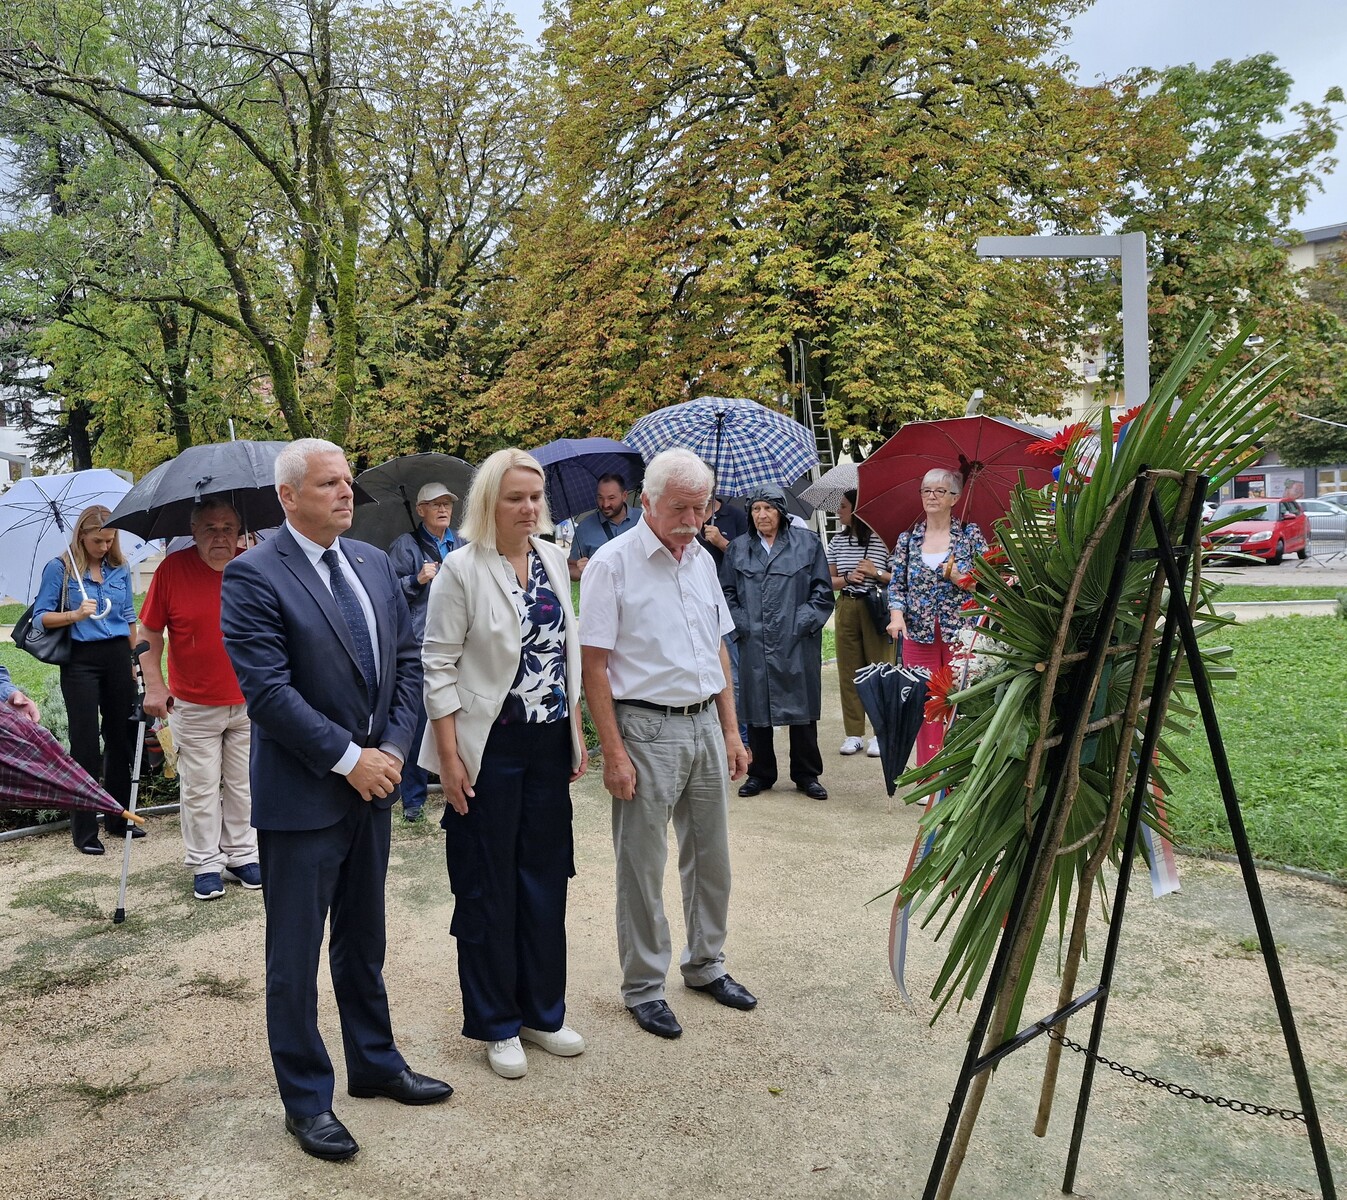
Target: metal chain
[(1176, 1089)]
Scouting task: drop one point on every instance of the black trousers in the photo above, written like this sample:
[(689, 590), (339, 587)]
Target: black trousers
[(806, 763), (100, 695), (510, 858)]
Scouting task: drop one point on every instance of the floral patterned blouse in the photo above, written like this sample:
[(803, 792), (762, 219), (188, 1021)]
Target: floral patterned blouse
[(538, 693), (921, 593)]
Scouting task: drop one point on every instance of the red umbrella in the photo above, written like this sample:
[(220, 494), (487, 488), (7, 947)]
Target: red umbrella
[(988, 453), (36, 772)]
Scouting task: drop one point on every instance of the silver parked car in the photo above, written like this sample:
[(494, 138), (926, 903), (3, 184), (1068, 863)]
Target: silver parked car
[(1328, 522)]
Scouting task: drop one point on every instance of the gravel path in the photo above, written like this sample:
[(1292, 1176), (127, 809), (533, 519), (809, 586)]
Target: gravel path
[(135, 1063)]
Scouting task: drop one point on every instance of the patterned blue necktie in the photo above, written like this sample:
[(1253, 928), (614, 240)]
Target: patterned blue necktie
[(354, 615)]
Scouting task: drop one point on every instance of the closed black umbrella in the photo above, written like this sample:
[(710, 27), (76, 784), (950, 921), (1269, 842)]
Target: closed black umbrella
[(161, 504), (393, 486), (894, 699)]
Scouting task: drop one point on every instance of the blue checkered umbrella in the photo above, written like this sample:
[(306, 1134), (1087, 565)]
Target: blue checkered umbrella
[(747, 444), (574, 466)]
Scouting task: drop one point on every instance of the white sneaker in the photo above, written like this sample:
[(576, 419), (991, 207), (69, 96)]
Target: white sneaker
[(507, 1058), (872, 751), (852, 745), (563, 1042)]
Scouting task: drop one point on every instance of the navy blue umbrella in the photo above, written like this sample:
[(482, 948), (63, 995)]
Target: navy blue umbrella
[(574, 466)]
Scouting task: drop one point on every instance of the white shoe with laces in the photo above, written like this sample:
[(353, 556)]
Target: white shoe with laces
[(873, 750), (507, 1058), (852, 745), (563, 1042)]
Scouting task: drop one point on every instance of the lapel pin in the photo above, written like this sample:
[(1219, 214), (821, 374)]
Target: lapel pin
[(359, 559)]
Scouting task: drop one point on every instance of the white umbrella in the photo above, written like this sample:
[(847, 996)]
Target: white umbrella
[(826, 491), (37, 517)]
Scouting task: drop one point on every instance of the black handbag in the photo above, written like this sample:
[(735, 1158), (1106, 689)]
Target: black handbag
[(46, 645), (877, 603)]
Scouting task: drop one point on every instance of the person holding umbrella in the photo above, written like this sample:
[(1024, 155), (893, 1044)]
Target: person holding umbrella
[(89, 589), (13, 697), (614, 516), (203, 703), (416, 557), (856, 562), (925, 596), (779, 592)]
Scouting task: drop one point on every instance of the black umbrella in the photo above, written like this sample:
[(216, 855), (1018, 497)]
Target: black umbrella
[(894, 700), (573, 467), (161, 504), (796, 504), (393, 486)]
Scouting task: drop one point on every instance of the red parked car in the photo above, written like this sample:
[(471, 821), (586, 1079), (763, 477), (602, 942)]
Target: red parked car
[(1266, 529)]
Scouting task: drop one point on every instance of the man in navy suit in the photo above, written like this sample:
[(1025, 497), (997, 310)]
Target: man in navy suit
[(321, 642)]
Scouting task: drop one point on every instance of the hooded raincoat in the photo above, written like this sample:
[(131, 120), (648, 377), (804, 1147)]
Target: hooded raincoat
[(780, 604)]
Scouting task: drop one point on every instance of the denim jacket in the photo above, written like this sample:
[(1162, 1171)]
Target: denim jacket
[(921, 594)]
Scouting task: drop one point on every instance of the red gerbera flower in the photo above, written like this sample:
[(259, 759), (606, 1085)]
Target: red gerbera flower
[(1126, 419), (972, 604), (1061, 442), (938, 688), (994, 554)]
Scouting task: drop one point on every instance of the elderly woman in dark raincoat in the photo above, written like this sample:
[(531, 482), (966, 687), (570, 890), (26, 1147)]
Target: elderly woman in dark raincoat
[(780, 594)]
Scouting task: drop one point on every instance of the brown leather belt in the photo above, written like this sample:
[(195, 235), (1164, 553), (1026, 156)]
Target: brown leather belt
[(671, 710)]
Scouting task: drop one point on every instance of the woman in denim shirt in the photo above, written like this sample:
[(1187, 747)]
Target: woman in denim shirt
[(925, 599), (98, 682)]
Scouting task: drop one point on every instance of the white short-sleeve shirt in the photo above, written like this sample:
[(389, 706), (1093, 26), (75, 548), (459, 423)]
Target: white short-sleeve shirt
[(660, 618)]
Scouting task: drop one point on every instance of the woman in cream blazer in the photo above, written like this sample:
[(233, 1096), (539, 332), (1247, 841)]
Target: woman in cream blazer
[(502, 689)]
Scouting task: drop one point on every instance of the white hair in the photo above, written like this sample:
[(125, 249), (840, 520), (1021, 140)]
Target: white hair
[(292, 463), (678, 467), (949, 479)]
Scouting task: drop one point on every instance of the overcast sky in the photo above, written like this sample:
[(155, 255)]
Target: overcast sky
[(1309, 38)]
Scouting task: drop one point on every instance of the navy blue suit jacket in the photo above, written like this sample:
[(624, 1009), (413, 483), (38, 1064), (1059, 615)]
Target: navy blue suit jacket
[(297, 667)]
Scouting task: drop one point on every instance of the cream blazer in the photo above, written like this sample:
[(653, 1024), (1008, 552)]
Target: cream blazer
[(472, 644)]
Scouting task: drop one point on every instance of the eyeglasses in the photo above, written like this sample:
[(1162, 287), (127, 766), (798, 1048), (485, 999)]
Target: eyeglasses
[(935, 491), (446, 504)]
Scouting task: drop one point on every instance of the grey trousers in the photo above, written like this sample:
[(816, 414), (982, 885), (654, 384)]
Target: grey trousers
[(681, 773)]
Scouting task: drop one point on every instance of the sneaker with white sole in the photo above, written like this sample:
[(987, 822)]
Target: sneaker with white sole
[(852, 745), (872, 751), (507, 1058), (248, 874), (207, 886), (563, 1042)]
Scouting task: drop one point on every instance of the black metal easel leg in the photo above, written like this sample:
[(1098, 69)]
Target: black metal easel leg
[(1202, 686)]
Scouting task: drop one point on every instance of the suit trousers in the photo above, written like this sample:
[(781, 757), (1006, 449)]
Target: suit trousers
[(681, 773), (306, 874), (100, 694), (213, 742), (510, 857), (859, 643), (415, 777), (806, 763)]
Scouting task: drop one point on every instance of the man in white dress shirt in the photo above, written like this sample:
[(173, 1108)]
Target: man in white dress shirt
[(656, 675)]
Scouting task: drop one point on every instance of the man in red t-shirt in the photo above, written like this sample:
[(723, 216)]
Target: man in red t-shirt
[(203, 703)]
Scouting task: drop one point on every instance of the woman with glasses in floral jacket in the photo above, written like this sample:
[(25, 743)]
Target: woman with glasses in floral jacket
[(925, 597)]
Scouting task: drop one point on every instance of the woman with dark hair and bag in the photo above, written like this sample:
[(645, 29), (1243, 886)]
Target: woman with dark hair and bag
[(775, 579), (857, 563), (89, 589), (925, 598)]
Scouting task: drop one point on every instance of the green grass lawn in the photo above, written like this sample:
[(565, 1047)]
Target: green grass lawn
[(1244, 593), (1284, 725)]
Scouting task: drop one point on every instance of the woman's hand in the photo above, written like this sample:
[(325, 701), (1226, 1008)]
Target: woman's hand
[(897, 625), (457, 789), (869, 573), (86, 610), (577, 772)]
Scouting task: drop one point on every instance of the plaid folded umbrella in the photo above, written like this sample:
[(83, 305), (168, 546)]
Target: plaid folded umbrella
[(36, 772), (747, 444)]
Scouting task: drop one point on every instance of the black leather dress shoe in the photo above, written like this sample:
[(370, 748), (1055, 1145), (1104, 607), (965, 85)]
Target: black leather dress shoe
[(94, 847), (727, 991), (655, 1016), (323, 1136), (751, 787), (814, 790), (407, 1088)]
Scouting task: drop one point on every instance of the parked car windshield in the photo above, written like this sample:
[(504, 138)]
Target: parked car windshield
[(1249, 510)]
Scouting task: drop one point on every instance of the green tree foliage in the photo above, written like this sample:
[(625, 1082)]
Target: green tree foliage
[(745, 195)]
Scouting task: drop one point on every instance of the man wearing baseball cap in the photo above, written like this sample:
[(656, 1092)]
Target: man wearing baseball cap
[(416, 558)]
